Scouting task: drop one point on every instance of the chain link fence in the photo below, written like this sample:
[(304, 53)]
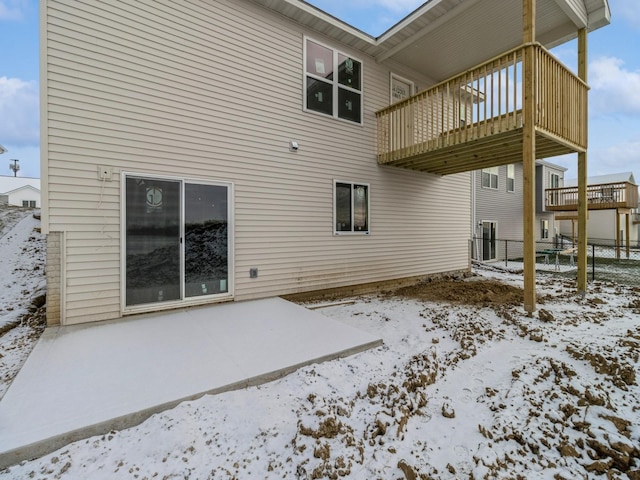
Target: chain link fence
[(606, 261)]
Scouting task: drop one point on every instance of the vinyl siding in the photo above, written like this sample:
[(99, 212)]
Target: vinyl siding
[(506, 208), (213, 91), (498, 205), (601, 228), (543, 181)]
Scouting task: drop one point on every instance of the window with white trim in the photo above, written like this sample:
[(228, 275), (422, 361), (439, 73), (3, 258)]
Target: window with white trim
[(544, 228), (554, 182), (333, 82), (511, 178), (351, 208), (490, 177)]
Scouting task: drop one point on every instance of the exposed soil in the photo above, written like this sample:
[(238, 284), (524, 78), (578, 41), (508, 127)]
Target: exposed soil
[(470, 291)]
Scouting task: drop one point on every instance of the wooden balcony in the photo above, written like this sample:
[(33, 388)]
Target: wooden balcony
[(474, 120), (623, 195)]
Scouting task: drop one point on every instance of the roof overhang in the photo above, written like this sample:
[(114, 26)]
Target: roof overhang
[(444, 37), (23, 187)]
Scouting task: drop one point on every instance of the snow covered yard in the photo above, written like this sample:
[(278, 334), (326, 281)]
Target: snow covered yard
[(465, 386), (22, 290)]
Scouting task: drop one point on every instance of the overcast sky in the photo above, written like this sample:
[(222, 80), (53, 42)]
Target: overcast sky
[(614, 76)]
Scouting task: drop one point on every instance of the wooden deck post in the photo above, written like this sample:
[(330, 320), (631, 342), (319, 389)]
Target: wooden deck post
[(627, 224), (618, 236), (582, 174), (529, 155)]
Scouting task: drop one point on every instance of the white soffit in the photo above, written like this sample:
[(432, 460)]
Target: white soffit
[(444, 37)]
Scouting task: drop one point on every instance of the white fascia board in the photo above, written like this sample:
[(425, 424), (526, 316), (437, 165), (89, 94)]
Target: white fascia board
[(600, 17), (330, 19), (576, 11)]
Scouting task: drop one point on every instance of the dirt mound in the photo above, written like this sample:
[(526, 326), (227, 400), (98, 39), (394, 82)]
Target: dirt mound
[(472, 291)]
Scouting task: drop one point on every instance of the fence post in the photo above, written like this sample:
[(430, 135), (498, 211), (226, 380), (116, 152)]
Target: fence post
[(593, 262), (506, 253)]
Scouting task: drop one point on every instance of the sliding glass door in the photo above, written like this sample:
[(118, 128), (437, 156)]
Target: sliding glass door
[(176, 240), (206, 246), (489, 240)]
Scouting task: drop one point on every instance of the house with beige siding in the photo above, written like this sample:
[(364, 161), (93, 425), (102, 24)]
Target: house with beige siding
[(497, 198), (224, 150)]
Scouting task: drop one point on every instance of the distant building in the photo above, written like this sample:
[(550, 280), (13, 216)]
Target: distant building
[(613, 201), (497, 200), (20, 191)]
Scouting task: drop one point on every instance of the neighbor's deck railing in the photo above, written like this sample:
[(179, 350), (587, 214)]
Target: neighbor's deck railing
[(599, 197), (485, 100)]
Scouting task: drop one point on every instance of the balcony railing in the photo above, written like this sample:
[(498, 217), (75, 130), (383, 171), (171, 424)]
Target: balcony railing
[(474, 120), (599, 197)]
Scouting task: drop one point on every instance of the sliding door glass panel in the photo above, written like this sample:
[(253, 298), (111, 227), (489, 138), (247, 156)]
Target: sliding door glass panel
[(206, 251), (488, 240), (152, 213)]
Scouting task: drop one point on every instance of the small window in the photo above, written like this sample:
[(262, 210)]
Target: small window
[(333, 83), (351, 208), (511, 178), (25, 203), (490, 177), (544, 228)]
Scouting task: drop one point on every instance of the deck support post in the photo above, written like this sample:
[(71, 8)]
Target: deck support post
[(618, 236), (582, 174), (529, 155), (626, 233)]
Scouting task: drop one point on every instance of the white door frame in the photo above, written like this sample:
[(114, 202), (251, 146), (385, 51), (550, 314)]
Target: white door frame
[(184, 301)]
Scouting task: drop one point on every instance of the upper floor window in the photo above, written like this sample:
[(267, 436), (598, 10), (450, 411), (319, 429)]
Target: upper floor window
[(554, 182), (511, 178), (490, 177), (351, 208), (333, 82)]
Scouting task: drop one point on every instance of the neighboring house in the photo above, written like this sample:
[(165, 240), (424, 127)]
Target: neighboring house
[(612, 200), (635, 218), (198, 152), (20, 191), (497, 198)]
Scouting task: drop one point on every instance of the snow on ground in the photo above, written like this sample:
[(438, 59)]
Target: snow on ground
[(22, 289), (458, 390)]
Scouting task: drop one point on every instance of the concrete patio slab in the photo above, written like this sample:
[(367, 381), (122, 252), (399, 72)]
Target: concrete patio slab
[(86, 380)]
